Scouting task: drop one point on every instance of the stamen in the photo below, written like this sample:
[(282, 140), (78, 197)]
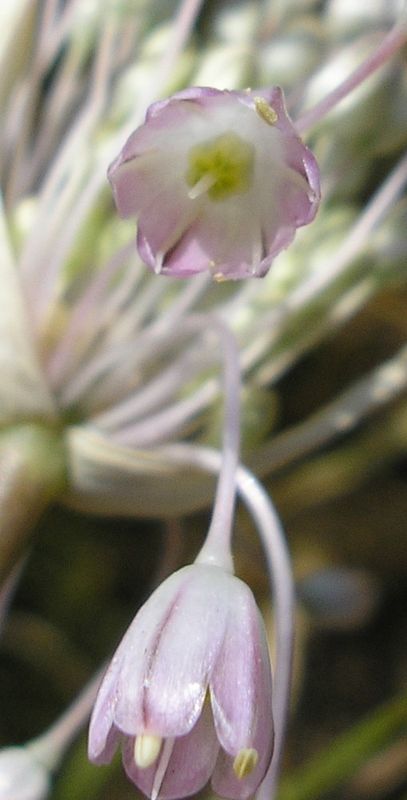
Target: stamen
[(257, 254), (219, 277), (245, 762), (265, 110), (146, 750), (202, 186), (158, 262)]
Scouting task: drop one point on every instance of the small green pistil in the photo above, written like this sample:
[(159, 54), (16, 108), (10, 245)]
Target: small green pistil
[(221, 167)]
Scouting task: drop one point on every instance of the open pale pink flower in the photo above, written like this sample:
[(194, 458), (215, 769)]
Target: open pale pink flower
[(188, 692), (219, 181)]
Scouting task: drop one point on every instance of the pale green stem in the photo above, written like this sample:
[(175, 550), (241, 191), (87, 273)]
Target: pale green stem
[(168, 422), (184, 21), (157, 427), (48, 41), (155, 393), (394, 40), (311, 289), (50, 747), (32, 474), (49, 205), (347, 753), (92, 298), (381, 386), (154, 428), (344, 307), (144, 344), (54, 203), (8, 588), (57, 103)]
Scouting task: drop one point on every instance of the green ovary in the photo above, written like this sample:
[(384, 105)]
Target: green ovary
[(227, 161)]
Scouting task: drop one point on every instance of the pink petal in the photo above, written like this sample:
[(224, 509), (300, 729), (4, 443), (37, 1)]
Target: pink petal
[(163, 232), (145, 186), (102, 732), (188, 257), (184, 654), (197, 94), (241, 699), (162, 683), (213, 241), (136, 650)]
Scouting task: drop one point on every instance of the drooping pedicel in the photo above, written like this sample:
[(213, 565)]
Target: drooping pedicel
[(218, 180)]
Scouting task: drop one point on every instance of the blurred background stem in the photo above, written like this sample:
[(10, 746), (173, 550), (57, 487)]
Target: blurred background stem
[(340, 761), (32, 474)]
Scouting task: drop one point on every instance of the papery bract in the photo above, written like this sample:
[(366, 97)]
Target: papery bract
[(219, 181), (189, 690)]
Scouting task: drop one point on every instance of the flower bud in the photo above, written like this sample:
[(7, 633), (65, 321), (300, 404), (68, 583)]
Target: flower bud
[(22, 777)]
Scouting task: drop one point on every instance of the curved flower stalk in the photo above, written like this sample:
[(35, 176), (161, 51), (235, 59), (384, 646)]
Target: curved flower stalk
[(219, 181)]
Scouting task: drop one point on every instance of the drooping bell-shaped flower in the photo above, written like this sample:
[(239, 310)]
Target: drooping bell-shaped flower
[(188, 692), (219, 181)]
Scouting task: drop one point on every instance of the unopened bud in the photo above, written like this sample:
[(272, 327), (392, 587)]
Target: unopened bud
[(22, 777)]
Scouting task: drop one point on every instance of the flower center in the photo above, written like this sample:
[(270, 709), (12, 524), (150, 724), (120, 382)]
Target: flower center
[(221, 167)]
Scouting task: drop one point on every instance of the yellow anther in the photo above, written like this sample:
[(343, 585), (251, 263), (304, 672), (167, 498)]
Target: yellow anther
[(265, 110), (146, 750), (245, 762)]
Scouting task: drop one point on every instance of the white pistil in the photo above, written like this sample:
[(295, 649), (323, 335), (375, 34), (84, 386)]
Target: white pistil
[(245, 762), (204, 184), (162, 767), (146, 750), (219, 277)]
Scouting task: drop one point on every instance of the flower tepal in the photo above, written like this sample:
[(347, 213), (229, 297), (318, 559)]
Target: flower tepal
[(189, 690), (218, 180)]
